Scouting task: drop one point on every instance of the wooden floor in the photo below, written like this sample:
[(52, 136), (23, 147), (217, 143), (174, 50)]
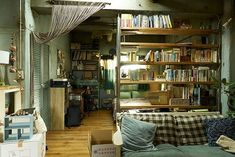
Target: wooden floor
[(73, 142)]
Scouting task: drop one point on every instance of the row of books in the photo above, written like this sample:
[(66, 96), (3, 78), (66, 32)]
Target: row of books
[(199, 74), (94, 45), (144, 21), (172, 55), (79, 65), (136, 75), (207, 55), (196, 95), (84, 55), (175, 55)]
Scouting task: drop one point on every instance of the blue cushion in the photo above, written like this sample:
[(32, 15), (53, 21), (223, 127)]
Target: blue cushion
[(216, 127), (137, 135)]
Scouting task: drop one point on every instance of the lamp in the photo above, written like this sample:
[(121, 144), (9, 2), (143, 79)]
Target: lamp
[(4, 57)]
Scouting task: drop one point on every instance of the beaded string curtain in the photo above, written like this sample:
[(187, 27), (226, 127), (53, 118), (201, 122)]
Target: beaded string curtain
[(67, 17)]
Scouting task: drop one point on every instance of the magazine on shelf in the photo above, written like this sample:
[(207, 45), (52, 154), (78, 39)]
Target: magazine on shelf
[(226, 143)]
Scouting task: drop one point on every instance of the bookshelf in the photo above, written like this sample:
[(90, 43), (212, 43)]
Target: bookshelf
[(178, 62), (86, 71)]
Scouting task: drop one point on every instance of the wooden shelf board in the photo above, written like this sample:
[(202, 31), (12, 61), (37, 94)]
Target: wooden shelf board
[(83, 70), (166, 45), (85, 60), (160, 82), (84, 50), (123, 106), (9, 89), (163, 31), (167, 63)]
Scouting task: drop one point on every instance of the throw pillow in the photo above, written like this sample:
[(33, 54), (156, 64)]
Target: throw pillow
[(40, 124), (216, 127), (189, 130), (137, 135), (165, 131)]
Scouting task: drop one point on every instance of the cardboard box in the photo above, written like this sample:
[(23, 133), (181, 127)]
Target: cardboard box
[(158, 97), (179, 101), (100, 143)]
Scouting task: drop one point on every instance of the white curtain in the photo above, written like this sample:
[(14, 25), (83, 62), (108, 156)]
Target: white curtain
[(65, 18)]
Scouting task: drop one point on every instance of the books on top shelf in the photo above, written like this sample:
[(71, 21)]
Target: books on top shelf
[(144, 21)]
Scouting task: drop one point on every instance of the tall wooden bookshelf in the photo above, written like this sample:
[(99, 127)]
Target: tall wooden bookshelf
[(178, 72), (86, 72)]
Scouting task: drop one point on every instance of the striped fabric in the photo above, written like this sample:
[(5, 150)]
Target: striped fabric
[(190, 131)]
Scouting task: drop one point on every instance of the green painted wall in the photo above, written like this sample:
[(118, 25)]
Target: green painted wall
[(228, 48), (42, 23), (8, 27), (9, 12)]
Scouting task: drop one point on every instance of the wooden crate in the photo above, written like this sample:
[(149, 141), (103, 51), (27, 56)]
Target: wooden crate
[(179, 101), (158, 97)]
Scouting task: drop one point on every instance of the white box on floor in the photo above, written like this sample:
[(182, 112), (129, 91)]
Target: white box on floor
[(35, 147), (100, 143)]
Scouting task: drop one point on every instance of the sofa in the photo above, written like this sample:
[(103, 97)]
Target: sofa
[(173, 134)]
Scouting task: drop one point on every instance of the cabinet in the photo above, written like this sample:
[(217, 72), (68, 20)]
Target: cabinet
[(166, 67), (17, 103), (57, 107), (34, 147), (86, 72), (18, 127)]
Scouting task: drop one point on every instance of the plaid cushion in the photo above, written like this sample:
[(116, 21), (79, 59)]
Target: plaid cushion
[(165, 132), (190, 130)]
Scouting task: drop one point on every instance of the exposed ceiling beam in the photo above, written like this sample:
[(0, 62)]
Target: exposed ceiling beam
[(199, 6)]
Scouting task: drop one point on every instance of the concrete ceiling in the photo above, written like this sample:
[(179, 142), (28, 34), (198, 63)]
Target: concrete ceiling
[(101, 21), (105, 20)]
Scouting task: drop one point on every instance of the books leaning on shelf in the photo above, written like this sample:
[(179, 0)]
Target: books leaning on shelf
[(180, 55), (144, 21), (197, 74), (179, 101)]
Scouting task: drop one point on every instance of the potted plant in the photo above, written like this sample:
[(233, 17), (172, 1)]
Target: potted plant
[(228, 88)]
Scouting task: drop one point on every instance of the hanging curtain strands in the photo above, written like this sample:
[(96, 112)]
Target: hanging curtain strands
[(74, 2), (67, 17)]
